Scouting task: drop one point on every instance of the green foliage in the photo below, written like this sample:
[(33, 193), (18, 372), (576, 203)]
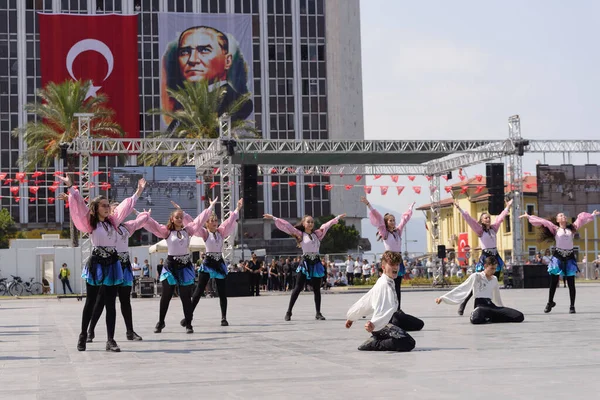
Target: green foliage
[(7, 228), (56, 123), (198, 117), (339, 238)]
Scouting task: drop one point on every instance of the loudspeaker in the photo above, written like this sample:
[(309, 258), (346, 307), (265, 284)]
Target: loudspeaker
[(496, 201), (494, 175), (250, 191), (449, 175), (441, 253)]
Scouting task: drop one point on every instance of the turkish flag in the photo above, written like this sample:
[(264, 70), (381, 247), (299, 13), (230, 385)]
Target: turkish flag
[(463, 248), (100, 48)]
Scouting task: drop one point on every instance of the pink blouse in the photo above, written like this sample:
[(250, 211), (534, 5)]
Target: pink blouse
[(178, 242), (105, 234), (487, 240), (563, 237), (214, 241), (310, 243), (392, 241), (126, 229)]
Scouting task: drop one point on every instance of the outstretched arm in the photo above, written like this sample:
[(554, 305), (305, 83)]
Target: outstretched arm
[(126, 206), (159, 230), (537, 221), (284, 226), (459, 293), (228, 226), (470, 221), (496, 294), (322, 231), (584, 218), (376, 218), (137, 223), (500, 218), (80, 212), (405, 218), (196, 227)]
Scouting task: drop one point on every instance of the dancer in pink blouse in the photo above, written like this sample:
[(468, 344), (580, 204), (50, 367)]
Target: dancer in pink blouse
[(178, 270), (103, 271), (486, 231), (563, 262), (391, 235), (311, 268), (124, 232), (213, 265)]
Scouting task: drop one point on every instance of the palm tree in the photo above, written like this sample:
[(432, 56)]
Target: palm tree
[(56, 124), (197, 117)]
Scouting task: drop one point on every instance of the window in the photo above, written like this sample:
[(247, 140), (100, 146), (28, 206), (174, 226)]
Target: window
[(507, 223)]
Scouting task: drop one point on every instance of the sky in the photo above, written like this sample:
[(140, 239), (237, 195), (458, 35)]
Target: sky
[(440, 70)]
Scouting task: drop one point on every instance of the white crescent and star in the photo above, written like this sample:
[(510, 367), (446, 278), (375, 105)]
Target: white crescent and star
[(90, 45)]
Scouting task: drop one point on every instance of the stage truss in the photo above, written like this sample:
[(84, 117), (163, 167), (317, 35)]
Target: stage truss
[(432, 158)]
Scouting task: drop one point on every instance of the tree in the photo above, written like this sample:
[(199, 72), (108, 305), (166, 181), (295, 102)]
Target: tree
[(340, 237), (56, 124), (7, 228), (197, 117)]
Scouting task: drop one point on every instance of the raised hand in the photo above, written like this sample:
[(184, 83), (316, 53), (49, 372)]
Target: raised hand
[(175, 205), (268, 216), (63, 197), (364, 200), (438, 300), (348, 324), (524, 216), (342, 216), (66, 180), (141, 186), (240, 204), (509, 203), (596, 212), (413, 205)]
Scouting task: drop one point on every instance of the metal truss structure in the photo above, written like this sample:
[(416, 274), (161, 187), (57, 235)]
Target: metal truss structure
[(385, 157), (515, 181)]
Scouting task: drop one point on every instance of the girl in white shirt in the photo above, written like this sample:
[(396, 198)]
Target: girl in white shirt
[(484, 286)]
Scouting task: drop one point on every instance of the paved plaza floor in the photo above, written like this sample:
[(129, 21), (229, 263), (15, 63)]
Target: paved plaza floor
[(260, 356)]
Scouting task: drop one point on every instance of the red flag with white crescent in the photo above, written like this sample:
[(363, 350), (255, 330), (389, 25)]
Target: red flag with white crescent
[(100, 48)]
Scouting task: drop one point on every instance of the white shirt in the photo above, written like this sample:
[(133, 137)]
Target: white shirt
[(380, 303), (136, 272), (482, 287), (350, 266), (366, 269), (357, 268)]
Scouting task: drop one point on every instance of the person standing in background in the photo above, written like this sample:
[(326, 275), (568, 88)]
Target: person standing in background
[(64, 275)]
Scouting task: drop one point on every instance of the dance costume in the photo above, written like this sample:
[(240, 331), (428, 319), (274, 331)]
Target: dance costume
[(310, 268), (487, 242), (392, 241), (178, 270), (563, 261), (484, 290), (213, 265), (103, 270), (382, 303), (124, 232)]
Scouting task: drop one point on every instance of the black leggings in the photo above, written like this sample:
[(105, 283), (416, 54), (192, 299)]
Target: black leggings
[(124, 293), (185, 294), (462, 306), (554, 282), (407, 322), (391, 338), (300, 282), (221, 288), (109, 296), (254, 284), (487, 312), (397, 285)]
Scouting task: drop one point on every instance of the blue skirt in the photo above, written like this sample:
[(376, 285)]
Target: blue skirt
[(560, 267), (177, 273), (311, 269), (127, 272), (103, 275), (480, 264), (216, 268)]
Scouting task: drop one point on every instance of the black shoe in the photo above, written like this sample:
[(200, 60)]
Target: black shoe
[(572, 310), (133, 336), (319, 317), (81, 341), (288, 316), (224, 322), (189, 329), (461, 311), (90, 336), (183, 322), (111, 345), (549, 307), (159, 327)]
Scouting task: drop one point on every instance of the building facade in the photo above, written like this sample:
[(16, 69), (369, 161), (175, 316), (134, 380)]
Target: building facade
[(307, 85), (474, 201)]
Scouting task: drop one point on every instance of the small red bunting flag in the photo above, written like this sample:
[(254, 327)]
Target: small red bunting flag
[(53, 188), (448, 189), (395, 178), (328, 187), (348, 187), (429, 177), (399, 189), (432, 189), (411, 178), (2, 175), (259, 182), (14, 189), (479, 189), (368, 189), (326, 173), (384, 190), (213, 185), (17, 198), (32, 199), (215, 171), (51, 200), (273, 170), (34, 189), (463, 189), (377, 177), (357, 178), (311, 185), (21, 176), (291, 170), (8, 181), (462, 177), (58, 173), (445, 177), (199, 181), (96, 173), (292, 183), (479, 178), (37, 174), (417, 189), (273, 184)]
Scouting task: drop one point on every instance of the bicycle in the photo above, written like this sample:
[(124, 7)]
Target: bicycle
[(33, 287), (3, 288), (15, 287)]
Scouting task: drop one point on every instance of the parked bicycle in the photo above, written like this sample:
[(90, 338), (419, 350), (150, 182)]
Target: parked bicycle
[(3, 288), (15, 287), (33, 287)]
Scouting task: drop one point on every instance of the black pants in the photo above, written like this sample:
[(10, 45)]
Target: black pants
[(300, 283), (287, 281), (554, 281), (66, 285), (487, 312), (350, 278), (221, 288), (391, 338), (462, 306), (407, 322), (254, 284), (124, 293), (185, 294), (109, 296), (397, 286)]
